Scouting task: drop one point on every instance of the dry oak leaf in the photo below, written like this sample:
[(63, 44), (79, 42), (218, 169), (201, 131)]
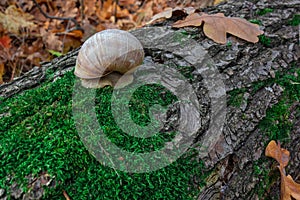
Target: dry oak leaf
[(217, 25), (169, 12), (13, 19), (288, 186), (166, 14), (282, 156)]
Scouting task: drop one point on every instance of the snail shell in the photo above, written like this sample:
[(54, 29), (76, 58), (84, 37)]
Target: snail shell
[(106, 56)]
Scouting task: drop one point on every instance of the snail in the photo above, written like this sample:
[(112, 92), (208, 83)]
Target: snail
[(106, 56)]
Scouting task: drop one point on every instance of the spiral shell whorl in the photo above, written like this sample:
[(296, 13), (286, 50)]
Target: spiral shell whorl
[(107, 52)]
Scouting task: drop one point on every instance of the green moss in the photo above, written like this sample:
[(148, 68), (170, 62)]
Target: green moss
[(39, 135), (295, 21), (266, 41), (255, 21), (268, 179), (236, 97), (264, 11), (180, 36), (186, 71), (229, 44), (276, 123)]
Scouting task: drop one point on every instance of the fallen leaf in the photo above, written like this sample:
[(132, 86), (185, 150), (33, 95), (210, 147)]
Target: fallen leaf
[(281, 155), (13, 19), (5, 42), (126, 2), (108, 10), (294, 188), (169, 12), (51, 40), (145, 13), (289, 188), (35, 58), (217, 25)]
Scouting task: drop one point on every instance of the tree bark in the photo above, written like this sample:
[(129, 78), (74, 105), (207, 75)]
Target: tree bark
[(240, 65)]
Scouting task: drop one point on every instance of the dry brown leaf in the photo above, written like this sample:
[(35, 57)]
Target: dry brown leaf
[(217, 25), (294, 188), (13, 19), (289, 188), (166, 14), (282, 156), (5, 42), (51, 41), (126, 2), (144, 14), (69, 8), (126, 24), (169, 12), (90, 7), (106, 10)]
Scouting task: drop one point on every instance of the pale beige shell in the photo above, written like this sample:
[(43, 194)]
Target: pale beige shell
[(106, 56)]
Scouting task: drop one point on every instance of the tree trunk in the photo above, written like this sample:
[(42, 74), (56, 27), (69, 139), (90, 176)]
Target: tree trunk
[(248, 72)]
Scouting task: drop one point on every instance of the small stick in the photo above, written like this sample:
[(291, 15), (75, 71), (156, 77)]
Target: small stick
[(66, 195), (115, 12), (82, 10)]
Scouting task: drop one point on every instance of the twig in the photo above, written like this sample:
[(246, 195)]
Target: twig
[(58, 18), (82, 9), (66, 195), (116, 9)]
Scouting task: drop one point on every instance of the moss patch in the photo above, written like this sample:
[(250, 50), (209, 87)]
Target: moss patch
[(295, 21), (264, 11), (277, 124), (37, 134), (236, 97), (264, 40), (255, 21)]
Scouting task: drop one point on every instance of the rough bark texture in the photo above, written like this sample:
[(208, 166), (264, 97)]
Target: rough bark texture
[(240, 65)]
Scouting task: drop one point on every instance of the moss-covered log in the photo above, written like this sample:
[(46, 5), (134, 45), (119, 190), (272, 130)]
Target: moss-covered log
[(42, 154)]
